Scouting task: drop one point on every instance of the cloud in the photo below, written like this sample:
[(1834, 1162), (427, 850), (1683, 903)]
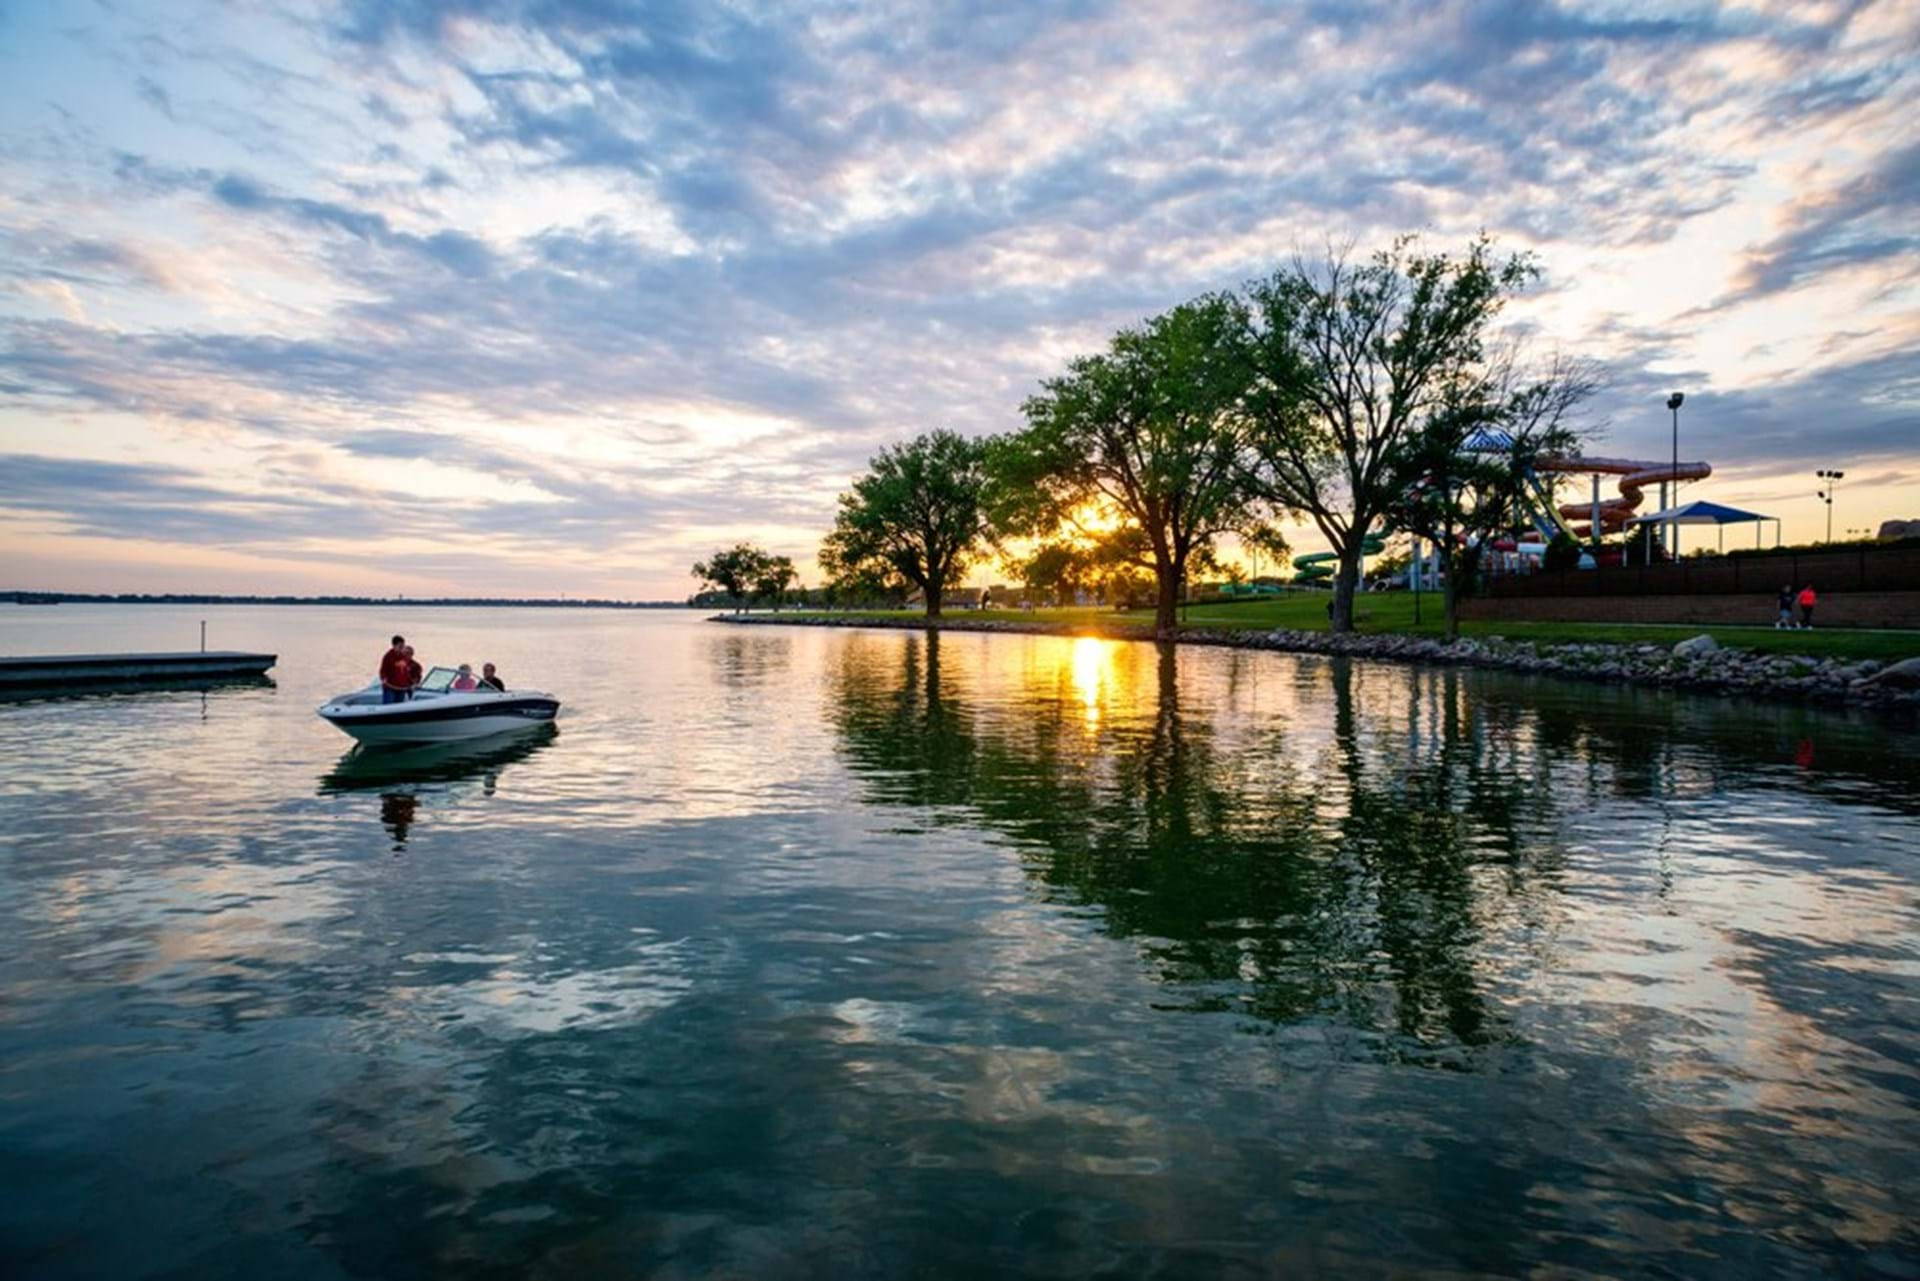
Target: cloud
[(675, 267), (155, 502), (1872, 221)]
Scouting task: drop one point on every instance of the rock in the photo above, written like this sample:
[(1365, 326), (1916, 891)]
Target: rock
[(1902, 675), (1696, 646)]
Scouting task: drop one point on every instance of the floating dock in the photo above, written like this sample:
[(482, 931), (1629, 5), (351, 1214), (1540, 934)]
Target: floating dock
[(111, 669)]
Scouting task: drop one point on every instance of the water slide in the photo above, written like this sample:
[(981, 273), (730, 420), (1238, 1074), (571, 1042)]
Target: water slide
[(1317, 567), (1635, 476)]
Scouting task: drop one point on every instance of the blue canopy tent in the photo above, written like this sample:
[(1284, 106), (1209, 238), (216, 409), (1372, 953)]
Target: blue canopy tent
[(1702, 512)]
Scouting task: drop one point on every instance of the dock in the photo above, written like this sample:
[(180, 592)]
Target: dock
[(104, 669)]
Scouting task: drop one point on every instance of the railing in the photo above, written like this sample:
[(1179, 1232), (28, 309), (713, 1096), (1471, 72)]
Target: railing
[(1854, 569)]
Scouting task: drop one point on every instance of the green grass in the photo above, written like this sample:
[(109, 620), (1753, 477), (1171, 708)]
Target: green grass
[(1393, 612)]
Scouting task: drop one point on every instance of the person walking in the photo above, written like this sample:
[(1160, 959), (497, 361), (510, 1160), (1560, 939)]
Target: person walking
[(396, 677), (1807, 601), (1785, 618)]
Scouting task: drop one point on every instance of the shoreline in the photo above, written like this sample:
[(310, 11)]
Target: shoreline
[(1688, 667)]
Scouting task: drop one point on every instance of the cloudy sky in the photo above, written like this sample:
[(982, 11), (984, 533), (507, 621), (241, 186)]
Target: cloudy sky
[(517, 296)]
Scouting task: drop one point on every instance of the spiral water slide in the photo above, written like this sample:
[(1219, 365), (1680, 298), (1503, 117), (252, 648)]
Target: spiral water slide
[(1317, 566), (1635, 476)]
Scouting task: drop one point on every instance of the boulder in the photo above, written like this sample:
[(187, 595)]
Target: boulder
[(1902, 675), (1695, 646)]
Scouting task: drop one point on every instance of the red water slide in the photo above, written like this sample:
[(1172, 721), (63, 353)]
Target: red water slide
[(1635, 475)]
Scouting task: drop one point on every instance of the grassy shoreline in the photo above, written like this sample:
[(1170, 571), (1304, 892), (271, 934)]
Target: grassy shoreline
[(1392, 614)]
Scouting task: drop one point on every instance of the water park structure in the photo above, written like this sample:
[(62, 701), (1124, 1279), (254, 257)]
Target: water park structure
[(1547, 516), (1610, 515), (1318, 567)]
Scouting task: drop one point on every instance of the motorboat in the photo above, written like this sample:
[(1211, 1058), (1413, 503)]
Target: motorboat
[(437, 712)]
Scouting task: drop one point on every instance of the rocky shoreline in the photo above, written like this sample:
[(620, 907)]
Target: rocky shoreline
[(1698, 665)]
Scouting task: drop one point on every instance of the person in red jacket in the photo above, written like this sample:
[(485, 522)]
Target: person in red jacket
[(396, 678), (414, 671), (1807, 601)]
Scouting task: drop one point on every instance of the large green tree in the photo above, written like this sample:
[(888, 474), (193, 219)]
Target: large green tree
[(1351, 357), (734, 570), (1147, 432), (917, 515)]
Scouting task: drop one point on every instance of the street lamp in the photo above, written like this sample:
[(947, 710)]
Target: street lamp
[(1825, 495), (1673, 531)]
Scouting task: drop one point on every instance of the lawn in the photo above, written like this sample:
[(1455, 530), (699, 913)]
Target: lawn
[(1393, 612)]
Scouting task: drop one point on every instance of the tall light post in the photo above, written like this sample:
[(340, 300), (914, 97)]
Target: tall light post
[(1825, 495), (1673, 531)]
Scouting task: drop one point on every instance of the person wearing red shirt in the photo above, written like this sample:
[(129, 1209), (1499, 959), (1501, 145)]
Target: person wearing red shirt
[(1807, 601), (414, 670), (396, 676)]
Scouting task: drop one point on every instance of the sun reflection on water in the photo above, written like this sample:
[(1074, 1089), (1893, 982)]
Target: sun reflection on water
[(1092, 666)]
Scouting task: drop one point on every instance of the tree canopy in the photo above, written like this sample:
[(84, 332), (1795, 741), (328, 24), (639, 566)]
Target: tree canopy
[(772, 578), (1146, 433), (916, 516), (1469, 469), (1348, 359), (735, 570)]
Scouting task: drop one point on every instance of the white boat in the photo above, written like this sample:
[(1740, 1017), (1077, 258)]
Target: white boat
[(437, 713)]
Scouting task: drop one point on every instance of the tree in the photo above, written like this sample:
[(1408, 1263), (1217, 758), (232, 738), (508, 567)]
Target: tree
[(917, 515), (1469, 470), (1563, 553), (1264, 538), (734, 571), (1146, 432), (1059, 570), (772, 578), (1348, 360)]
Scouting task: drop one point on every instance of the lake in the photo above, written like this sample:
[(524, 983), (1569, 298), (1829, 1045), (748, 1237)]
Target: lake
[(797, 952)]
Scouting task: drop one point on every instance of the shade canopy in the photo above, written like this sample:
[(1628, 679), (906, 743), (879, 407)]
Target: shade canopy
[(1699, 513)]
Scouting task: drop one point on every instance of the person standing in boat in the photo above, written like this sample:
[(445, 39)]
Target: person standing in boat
[(415, 672), (396, 672)]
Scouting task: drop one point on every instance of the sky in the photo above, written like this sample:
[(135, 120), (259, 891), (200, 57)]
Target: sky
[(533, 297)]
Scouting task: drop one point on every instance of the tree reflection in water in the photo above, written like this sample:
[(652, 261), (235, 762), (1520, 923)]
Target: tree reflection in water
[(1345, 879)]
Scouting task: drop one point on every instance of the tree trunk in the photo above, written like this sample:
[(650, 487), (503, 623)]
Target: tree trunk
[(1452, 599), (935, 588), (1166, 604), (1347, 580)]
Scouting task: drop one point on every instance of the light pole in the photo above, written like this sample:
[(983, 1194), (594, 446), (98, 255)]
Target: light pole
[(1673, 531), (1825, 495)]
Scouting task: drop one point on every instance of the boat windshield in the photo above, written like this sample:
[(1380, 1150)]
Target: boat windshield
[(438, 681)]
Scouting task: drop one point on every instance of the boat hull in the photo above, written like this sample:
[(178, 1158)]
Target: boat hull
[(441, 720)]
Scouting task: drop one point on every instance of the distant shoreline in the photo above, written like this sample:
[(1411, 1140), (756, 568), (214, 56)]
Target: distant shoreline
[(382, 602)]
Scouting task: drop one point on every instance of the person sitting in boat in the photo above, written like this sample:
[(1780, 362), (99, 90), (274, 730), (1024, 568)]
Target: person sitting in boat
[(396, 680), (490, 679), (463, 682)]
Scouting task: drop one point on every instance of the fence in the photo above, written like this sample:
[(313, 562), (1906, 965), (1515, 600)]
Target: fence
[(1853, 569)]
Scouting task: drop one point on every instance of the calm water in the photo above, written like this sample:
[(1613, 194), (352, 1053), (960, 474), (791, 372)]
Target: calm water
[(796, 952)]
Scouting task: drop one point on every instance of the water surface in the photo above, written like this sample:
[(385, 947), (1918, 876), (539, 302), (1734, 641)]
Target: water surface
[(797, 952)]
